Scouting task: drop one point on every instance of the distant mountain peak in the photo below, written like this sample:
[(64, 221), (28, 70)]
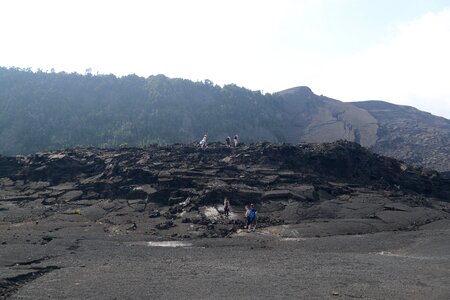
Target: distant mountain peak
[(299, 90)]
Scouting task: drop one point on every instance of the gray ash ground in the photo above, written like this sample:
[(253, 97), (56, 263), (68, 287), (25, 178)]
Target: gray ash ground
[(334, 221)]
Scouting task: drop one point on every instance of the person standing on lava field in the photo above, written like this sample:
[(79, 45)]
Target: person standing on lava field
[(203, 143), (252, 218), (247, 212), (228, 141), (226, 206), (236, 140)]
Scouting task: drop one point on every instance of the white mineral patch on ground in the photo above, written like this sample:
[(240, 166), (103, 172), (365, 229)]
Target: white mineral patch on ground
[(216, 212), (211, 212), (243, 232), (387, 253)]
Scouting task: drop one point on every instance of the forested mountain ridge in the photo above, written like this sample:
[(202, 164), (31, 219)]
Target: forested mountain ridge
[(44, 111)]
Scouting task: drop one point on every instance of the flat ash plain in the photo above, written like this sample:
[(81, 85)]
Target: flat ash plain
[(335, 222)]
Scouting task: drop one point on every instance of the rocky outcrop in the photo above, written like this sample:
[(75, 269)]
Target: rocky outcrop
[(178, 190)]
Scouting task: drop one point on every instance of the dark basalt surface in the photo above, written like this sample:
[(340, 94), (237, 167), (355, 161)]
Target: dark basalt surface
[(84, 208)]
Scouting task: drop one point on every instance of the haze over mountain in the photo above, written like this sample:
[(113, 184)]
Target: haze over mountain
[(44, 111)]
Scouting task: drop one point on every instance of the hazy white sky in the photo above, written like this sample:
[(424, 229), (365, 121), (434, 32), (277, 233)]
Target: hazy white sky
[(393, 50)]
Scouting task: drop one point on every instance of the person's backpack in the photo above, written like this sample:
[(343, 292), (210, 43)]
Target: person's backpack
[(252, 214)]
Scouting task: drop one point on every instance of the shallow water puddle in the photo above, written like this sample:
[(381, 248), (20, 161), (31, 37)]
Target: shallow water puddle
[(170, 244), (294, 239)]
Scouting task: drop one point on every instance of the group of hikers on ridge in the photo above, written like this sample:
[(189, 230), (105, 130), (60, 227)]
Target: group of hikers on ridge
[(249, 215), (204, 144), (235, 141)]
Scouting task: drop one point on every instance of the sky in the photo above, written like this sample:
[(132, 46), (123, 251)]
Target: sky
[(351, 50)]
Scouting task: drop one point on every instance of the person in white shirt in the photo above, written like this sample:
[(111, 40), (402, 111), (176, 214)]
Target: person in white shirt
[(203, 143)]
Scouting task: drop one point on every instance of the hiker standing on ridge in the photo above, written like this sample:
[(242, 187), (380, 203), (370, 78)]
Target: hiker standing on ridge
[(236, 141), (228, 141), (203, 143)]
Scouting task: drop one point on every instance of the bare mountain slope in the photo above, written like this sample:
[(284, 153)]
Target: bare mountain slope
[(403, 132), (321, 119), (412, 135)]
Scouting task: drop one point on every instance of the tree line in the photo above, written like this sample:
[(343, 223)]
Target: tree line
[(42, 111)]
